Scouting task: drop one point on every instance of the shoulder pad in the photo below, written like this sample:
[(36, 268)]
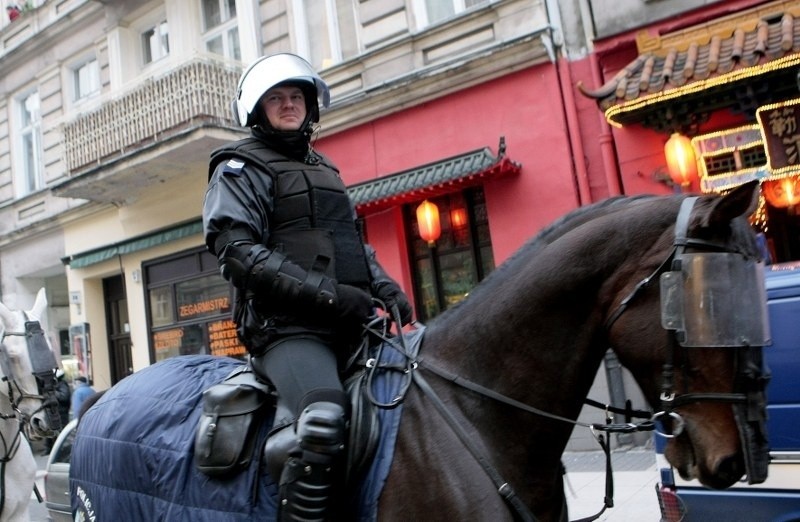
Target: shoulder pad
[(233, 166)]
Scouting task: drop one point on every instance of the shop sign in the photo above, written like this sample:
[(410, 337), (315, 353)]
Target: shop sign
[(780, 128), (223, 339)]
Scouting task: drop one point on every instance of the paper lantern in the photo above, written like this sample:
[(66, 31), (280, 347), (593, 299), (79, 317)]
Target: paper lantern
[(428, 220), (782, 193), (458, 218), (681, 162)]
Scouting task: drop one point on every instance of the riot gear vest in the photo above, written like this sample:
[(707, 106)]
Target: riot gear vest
[(312, 219)]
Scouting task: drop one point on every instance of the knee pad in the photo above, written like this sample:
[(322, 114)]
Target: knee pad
[(321, 430)]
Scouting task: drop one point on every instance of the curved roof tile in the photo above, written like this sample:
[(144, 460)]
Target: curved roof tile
[(700, 58)]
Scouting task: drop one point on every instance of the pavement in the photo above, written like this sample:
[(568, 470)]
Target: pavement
[(635, 478)]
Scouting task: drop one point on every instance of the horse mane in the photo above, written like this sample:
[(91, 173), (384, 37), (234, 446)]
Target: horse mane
[(548, 235)]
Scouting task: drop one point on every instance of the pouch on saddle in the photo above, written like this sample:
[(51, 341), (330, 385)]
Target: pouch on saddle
[(228, 426)]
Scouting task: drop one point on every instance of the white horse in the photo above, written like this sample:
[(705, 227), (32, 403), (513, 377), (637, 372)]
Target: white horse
[(23, 406)]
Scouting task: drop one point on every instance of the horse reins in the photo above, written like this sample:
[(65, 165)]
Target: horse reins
[(10, 448), (503, 488), (668, 397)]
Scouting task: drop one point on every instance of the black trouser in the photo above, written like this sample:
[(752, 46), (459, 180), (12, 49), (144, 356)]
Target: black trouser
[(303, 370)]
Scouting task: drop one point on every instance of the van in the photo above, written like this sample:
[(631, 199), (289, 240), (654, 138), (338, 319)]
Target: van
[(778, 498)]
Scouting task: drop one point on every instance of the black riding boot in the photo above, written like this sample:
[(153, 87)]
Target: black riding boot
[(311, 471)]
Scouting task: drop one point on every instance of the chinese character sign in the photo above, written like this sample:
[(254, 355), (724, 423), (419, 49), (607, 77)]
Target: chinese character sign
[(780, 128)]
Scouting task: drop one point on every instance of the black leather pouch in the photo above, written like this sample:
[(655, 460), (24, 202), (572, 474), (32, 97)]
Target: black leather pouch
[(225, 437)]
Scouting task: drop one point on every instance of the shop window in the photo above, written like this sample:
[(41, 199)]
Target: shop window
[(445, 271), (189, 307)]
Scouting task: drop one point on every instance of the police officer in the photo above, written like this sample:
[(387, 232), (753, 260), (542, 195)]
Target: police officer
[(278, 218)]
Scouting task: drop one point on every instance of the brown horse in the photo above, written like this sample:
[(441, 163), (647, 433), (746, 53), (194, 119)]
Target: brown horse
[(536, 331), (531, 338)]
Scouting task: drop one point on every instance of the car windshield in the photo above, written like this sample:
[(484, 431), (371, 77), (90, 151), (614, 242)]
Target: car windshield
[(64, 451)]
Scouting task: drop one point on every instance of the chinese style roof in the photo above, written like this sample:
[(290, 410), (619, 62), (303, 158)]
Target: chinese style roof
[(433, 179), (738, 62)]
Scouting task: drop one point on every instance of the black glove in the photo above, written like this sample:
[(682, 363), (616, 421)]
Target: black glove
[(391, 295), (353, 304)]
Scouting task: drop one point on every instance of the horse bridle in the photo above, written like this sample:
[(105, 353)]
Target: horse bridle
[(45, 381), (669, 400), (46, 394), (749, 404)]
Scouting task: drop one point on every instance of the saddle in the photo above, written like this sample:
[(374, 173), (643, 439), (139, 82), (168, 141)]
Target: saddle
[(234, 411)]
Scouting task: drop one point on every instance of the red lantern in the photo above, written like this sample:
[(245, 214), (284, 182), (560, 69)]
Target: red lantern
[(428, 221), (458, 218), (681, 161), (782, 193)]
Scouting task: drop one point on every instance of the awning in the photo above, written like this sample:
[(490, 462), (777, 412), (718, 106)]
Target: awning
[(431, 180), (739, 62), (99, 255)]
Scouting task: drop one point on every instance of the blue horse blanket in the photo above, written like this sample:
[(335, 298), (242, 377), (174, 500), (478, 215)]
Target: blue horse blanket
[(132, 458)]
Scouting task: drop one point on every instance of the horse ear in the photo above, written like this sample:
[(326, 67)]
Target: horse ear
[(40, 305), (741, 201)]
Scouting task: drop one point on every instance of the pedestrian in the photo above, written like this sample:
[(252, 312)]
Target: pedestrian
[(278, 218), (63, 398), (82, 391)]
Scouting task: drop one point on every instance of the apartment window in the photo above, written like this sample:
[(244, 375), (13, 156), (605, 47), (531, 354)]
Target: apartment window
[(445, 272), (29, 176), (326, 31), (433, 11), (86, 79), (221, 34), (155, 42)]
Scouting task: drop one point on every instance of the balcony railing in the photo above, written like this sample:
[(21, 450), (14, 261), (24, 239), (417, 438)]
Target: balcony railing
[(197, 92)]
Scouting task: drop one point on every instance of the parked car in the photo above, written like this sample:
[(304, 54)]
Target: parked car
[(56, 478)]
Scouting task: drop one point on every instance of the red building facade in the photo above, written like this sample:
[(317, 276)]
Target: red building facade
[(527, 185)]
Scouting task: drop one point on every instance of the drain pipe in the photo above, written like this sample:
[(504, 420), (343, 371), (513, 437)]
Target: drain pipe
[(606, 140), (569, 110)]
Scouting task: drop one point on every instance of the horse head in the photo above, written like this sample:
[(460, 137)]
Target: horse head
[(701, 365), (28, 366)]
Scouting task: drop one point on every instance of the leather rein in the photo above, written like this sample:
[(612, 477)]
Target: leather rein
[(669, 401), (11, 447), (380, 328)]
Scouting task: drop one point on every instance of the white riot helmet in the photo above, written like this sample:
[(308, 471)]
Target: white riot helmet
[(269, 71)]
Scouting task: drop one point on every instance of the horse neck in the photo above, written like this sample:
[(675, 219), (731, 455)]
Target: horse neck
[(540, 316), (526, 328)]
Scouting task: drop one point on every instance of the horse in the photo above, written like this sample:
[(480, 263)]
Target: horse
[(28, 369), (492, 391)]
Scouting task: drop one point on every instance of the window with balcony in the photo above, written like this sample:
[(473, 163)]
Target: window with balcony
[(429, 12), (445, 271), (28, 174), (155, 42), (85, 79), (221, 31)]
